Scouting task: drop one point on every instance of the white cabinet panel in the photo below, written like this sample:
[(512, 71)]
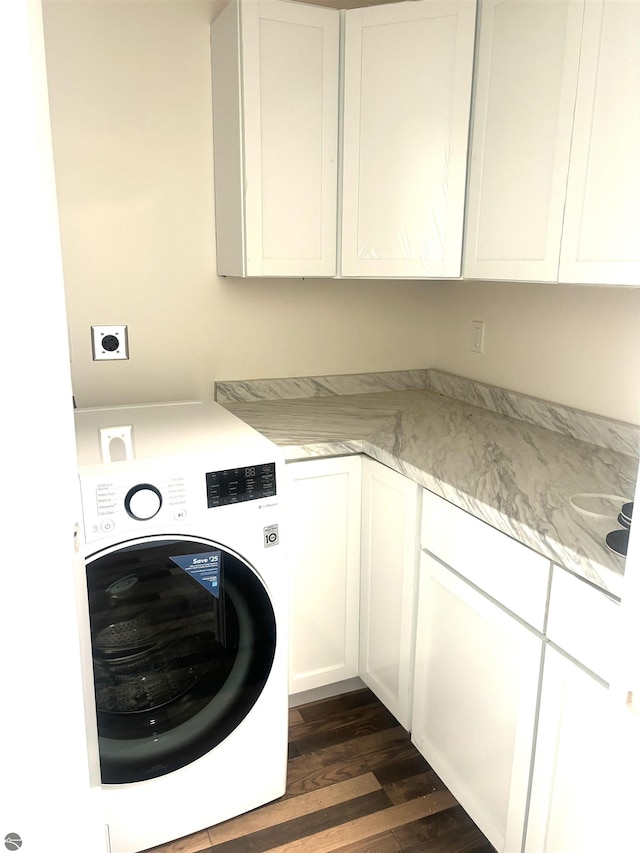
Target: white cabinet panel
[(586, 788), (508, 571), (600, 242), (275, 113), (407, 85), (476, 682), (584, 622), (388, 578), (323, 496), (525, 88)]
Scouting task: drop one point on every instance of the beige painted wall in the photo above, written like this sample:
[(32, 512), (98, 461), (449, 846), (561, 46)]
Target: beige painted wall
[(130, 99), (574, 345), (131, 117)]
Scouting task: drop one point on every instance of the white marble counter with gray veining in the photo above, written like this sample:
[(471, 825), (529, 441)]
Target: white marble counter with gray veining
[(520, 477)]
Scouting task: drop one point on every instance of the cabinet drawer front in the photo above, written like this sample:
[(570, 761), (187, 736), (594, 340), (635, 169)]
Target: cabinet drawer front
[(506, 570), (584, 622)]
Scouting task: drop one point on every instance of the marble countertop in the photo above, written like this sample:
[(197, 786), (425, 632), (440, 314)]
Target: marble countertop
[(519, 477)]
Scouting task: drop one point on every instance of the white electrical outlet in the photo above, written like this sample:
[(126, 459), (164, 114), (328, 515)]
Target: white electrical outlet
[(109, 342), (477, 336)]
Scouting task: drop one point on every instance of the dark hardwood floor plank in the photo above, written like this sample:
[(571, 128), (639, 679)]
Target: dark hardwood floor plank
[(363, 828), (349, 789), (323, 708), (287, 809), (402, 790), (309, 737), (385, 842), (308, 825), (450, 831), (397, 748), (345, 760), (406, 762), (306, 773), (339, 716)]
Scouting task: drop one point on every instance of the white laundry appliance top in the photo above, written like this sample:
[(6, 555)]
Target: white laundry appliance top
[(123, 434)]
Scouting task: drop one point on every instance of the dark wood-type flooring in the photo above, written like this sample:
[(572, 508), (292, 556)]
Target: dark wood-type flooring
[(355, 784)]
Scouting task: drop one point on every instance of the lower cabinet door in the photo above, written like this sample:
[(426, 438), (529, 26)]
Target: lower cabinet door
[(586, 785), (476, 683), (387, 586), (324, 569)]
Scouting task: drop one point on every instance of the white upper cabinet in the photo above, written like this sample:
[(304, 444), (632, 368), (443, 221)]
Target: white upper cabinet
[(407, 88), (601, 237), (554, 179), (275, 111), (406, 94), (525, 89)]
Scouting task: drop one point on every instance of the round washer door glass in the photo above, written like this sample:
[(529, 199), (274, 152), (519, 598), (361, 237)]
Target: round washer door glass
[(183, 637)]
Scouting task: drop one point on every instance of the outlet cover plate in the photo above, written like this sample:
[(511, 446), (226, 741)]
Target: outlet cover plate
[(109, 343), (477, 336)]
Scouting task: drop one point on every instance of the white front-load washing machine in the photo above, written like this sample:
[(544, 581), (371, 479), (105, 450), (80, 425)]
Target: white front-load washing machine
[(187, 588)]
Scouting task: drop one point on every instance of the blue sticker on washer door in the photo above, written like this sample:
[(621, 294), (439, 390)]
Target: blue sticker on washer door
[(205, 568)]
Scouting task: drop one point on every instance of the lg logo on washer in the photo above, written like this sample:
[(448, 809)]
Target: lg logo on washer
[(12, 841)]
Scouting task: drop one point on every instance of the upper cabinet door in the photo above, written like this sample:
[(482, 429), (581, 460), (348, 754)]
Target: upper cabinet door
[(275, 112), (601, 237), (526, 78), (407, 86)]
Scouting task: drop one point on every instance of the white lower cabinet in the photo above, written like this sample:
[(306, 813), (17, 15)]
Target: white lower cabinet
[(567, 793), (389, 564), (585, 791), (456, 649), (477, 673), (324, 542), (585, 787)]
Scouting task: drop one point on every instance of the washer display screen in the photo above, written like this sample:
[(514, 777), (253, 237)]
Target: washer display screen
[(236, 485)]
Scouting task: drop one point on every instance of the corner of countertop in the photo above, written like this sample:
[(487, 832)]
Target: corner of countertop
[(595, 429), (290, 388), (585, 426)]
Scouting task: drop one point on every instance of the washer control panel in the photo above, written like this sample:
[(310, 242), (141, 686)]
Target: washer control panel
[(125, 504), (236, 485)]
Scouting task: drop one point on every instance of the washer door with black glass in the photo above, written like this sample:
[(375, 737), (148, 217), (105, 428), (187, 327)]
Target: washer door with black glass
[(183, 638)]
